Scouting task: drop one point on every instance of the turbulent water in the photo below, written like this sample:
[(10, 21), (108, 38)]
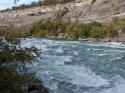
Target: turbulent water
[(79, 66)]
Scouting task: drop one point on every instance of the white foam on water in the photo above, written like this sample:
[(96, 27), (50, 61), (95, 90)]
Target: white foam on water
[(73, 73), (32, 64), (59, 62), (116, 58), (26, 44), (34, 42), (46, 72), (107, 44), (118, 88), (68, 58), (75, 53), (59, 50), (102, 54), (42, 47), (93, 49), (116, 43), (80, 75), (54, 42), (61, 59)]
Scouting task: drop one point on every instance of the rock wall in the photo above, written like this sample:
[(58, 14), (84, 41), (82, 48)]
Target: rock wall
[(80, 10)]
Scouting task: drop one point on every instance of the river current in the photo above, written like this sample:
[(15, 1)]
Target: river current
[(80, 66)]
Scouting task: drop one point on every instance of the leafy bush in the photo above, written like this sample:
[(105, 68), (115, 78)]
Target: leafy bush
[(84, 31), (50, 2), (41, 33), (13, 76), (74, 30), (110, 30), (96, 32), (53, 28), (95, 24)]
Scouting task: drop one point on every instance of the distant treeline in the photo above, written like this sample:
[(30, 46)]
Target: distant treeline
[(41, 3), (23, 6), (49, 2)]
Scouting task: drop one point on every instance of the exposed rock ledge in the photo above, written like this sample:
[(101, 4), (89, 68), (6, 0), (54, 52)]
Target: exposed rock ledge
[(80, 10), (101, 10)]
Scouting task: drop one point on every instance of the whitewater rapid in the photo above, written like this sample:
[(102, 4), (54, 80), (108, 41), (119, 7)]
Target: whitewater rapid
[(80, 66)]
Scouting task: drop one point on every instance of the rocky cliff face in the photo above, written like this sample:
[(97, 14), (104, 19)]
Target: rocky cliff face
[(100, 10), (80, 10)]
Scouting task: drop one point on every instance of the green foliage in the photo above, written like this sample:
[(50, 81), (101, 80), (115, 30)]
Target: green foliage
[(12, 82), (110, 30), (41, 33), (96, 32), (13, 58), (95, 24), (53, 28), (73, 35), (84, 31), (49, 28), (11, 52), (50, 2)]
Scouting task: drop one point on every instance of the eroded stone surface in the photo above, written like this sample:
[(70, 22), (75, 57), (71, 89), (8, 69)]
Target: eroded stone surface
[(80, 10)]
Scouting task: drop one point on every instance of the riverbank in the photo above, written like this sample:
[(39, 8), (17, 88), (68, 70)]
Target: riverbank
[(57, 29), (76, 19)]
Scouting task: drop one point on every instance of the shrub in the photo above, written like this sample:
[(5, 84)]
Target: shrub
[(41, 33), (53, 28), (95, 24), (50, 2), (96, 32), (110, 30), (73, 35), (84, 31), (13, 76)]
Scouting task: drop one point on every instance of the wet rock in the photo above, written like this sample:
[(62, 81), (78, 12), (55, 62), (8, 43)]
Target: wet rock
[(37, 89)]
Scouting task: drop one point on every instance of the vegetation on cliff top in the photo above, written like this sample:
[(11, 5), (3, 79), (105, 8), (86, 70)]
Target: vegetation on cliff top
[(41, 3)]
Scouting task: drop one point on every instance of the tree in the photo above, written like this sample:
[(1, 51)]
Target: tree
[(13, 76), (15, 1)]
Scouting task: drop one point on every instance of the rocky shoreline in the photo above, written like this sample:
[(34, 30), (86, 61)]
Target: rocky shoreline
[(116, 39), (81, 11)]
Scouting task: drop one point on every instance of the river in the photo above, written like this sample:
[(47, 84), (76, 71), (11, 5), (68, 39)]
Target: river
[(80, 66)]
